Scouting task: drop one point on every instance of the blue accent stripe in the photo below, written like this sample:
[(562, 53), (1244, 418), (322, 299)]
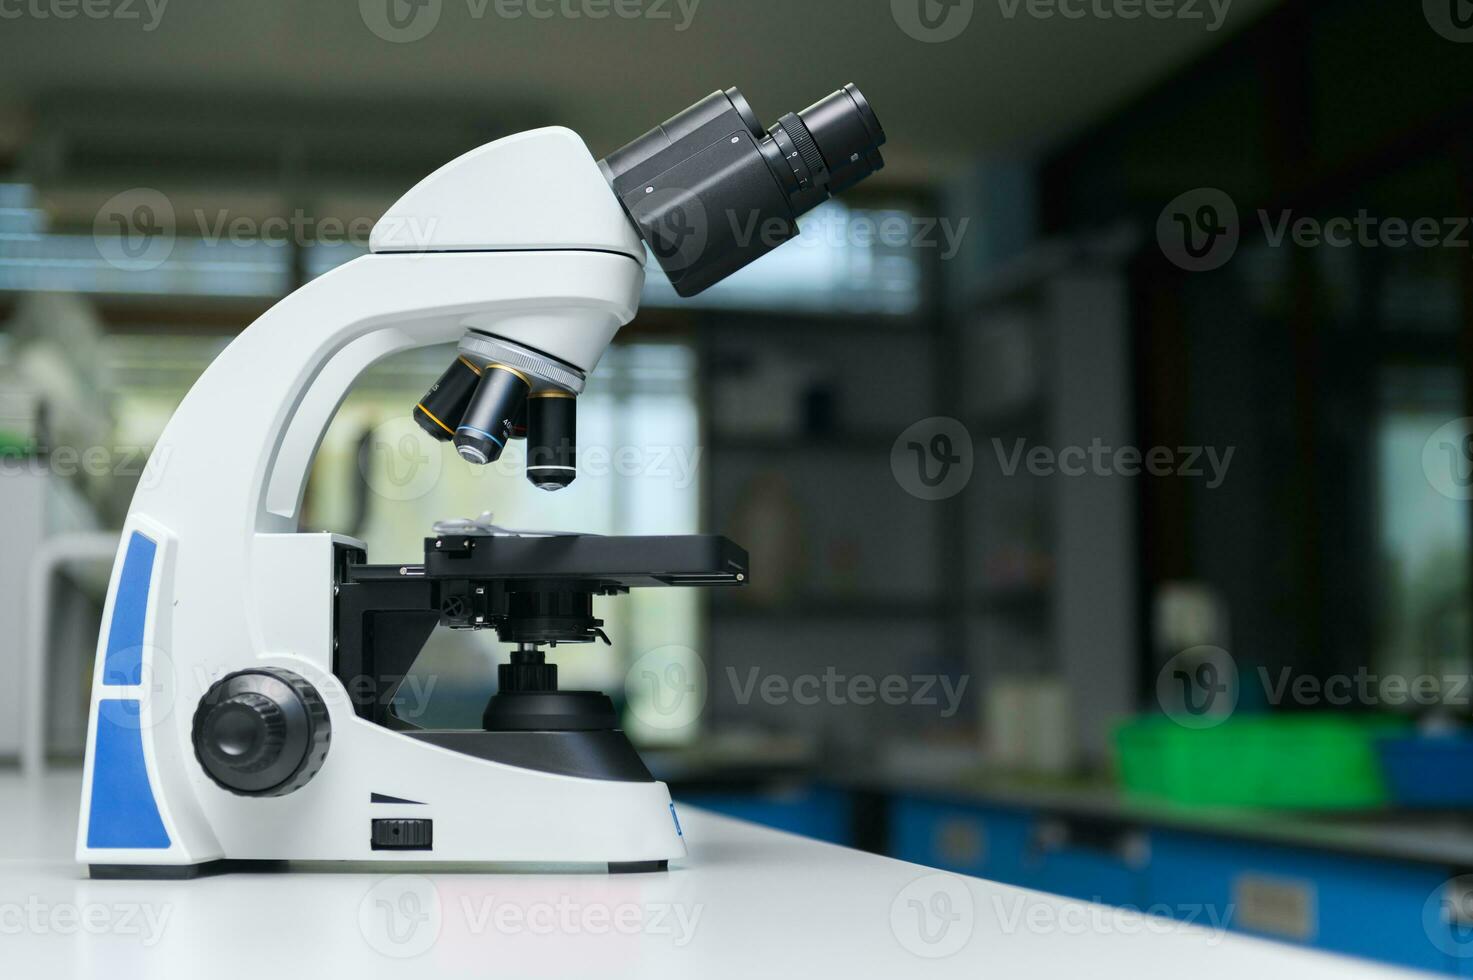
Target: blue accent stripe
[(481, 432), (678, 831), (123, 663), (123, 812)]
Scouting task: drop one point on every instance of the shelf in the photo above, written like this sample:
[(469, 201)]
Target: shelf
[(845, 442), (866, 609), (1014, 599), (1028, 416), (920, 324)]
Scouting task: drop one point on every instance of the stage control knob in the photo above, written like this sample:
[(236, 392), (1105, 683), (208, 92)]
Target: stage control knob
[(261, 732)]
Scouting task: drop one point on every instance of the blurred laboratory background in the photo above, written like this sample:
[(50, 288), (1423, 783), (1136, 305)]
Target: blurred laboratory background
[(1104, 462)]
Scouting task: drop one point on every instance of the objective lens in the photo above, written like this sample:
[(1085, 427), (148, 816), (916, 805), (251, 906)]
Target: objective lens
[(519, 424), (486, 425), (552, 439), (439, 411)]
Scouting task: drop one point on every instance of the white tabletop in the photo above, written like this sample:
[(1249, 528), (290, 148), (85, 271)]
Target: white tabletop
[(747, 902)]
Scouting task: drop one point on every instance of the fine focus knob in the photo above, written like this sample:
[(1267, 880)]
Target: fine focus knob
[(261, 732)]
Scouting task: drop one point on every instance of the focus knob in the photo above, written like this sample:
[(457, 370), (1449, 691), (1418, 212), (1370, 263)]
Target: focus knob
[(261, 732)]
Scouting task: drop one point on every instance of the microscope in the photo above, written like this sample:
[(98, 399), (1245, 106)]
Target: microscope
[(242, 698)]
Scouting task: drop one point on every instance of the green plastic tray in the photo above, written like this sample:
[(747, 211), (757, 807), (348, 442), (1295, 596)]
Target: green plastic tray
[(1324, 762)]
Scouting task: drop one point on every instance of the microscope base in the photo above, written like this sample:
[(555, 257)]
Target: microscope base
[(188, 872)]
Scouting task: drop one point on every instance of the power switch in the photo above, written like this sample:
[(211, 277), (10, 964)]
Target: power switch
[(403, 835)]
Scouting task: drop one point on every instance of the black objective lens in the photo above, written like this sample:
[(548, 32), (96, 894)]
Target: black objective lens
[(552, 439), (711, 190), (439, 411), (519, 424), (486, 425)]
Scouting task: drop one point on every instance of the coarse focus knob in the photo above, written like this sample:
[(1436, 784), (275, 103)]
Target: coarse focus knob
[(261, 732)]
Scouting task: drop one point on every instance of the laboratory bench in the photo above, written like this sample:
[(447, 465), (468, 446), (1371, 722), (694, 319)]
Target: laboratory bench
[(748, 901), (1386, 886)]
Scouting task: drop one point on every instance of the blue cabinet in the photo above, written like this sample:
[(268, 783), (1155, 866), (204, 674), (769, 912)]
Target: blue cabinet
[(1381, 910), (1097, 862), (1020, 848), (812, 811), (959, 837)]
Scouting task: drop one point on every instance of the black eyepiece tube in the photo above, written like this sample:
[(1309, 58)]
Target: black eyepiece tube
[(486, 425), (552, 439), (439, 411), (848, 135), (711, 191)]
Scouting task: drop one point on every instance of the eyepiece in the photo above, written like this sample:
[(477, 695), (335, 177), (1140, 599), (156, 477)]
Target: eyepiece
[(848, 135), (552, 439), (711, 191), (487, 423), (439, 411)]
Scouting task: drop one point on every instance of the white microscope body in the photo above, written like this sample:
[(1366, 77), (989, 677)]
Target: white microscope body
[(527, 240), (213, 575)]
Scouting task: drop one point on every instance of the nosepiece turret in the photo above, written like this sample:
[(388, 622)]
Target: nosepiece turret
[(496, 391)]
